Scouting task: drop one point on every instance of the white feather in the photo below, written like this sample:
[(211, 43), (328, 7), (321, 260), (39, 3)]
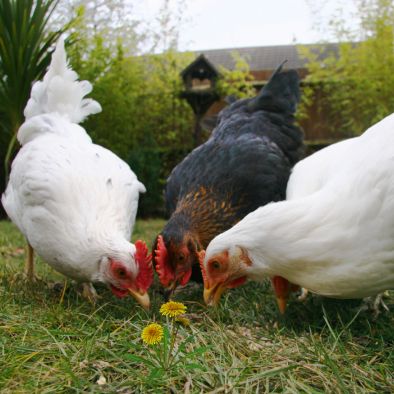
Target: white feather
[(335, 233), (61, 92), (75, 201), (310, 175)]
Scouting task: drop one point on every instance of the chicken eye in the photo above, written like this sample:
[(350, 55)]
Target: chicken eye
[(181, 257), (121, 273), (215, 265)]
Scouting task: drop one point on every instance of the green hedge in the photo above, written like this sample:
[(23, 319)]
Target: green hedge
[(152, 167)]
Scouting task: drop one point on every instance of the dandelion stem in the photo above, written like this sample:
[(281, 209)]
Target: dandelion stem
[(174, 333)]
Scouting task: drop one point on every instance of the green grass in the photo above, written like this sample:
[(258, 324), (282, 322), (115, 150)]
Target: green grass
[(53, 343)]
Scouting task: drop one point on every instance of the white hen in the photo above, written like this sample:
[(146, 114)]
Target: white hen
[(75, 201), (334, 235)]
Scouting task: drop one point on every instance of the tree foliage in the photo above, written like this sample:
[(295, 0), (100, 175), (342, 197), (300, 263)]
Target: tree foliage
[(24, 56), (356, 83), (236, 82), (141, 101), (165, 30), (112, 20)]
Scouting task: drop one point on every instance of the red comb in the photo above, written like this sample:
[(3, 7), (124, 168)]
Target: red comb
[(201, 256), (145, 275), (161, 260)]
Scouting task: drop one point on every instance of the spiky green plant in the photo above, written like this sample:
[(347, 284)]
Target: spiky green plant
[(25, 43)]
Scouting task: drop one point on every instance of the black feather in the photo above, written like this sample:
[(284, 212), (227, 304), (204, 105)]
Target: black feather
[(281, 93), (245, 164)]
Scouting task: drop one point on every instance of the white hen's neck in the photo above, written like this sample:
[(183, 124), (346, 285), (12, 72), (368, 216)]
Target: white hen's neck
[(289, 239), (281, 232)]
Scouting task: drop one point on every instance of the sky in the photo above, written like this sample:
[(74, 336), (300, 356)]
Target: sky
[(214, 24)]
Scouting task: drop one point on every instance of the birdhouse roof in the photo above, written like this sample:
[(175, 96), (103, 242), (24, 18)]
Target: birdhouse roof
[(202, 64)]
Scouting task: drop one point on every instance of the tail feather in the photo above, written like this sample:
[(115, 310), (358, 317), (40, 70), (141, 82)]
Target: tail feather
[(141, 187), (61, 92), (280, 94)]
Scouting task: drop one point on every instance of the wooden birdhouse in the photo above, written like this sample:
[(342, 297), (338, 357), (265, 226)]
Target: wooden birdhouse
[(200, 75), (199, 79)]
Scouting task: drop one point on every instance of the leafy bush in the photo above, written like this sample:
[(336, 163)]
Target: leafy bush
[(146, 163), (153, 166), (354, 86)]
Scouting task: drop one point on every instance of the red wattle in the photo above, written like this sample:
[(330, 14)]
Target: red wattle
[(120, 293), (162, 267), (185, 277), (237, 282), (145, 275)]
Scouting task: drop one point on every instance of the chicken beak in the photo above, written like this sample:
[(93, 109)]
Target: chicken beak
[(213, 294), (282, 303), (142, 299)]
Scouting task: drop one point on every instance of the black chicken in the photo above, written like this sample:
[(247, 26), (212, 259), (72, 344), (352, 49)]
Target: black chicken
[(244, 164)]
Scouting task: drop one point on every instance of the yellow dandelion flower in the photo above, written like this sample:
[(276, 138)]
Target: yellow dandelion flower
[(173, 309), (152, 334), (183, 320)]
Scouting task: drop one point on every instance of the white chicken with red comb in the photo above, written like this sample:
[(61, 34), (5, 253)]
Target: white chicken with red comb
[(74, 201)]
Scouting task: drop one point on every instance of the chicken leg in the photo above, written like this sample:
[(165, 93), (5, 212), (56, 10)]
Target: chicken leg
[(29, 264)]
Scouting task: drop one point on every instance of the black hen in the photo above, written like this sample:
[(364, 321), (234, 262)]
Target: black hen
[(245, 164)]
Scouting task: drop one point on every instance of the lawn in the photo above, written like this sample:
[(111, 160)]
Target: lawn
[(54, 341)]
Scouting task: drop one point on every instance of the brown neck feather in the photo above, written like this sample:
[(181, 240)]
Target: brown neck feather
[(206, 214)]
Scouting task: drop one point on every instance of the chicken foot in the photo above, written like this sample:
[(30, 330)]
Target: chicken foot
[(376, 305), (89, 293), (303, 295)]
